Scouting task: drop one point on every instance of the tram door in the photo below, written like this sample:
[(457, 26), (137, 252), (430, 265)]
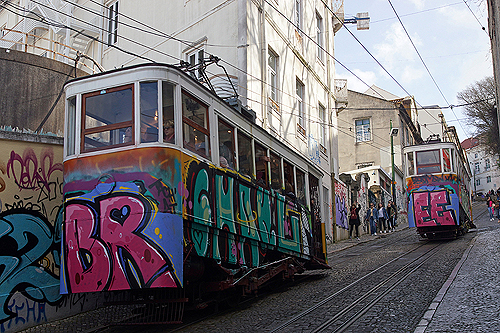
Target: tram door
[(315, 215)]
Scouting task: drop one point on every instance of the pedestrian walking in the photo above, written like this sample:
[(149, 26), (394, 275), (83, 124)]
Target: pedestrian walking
[(382, 218), (371, 217), (354, 220), (491, 207), (391, 211)]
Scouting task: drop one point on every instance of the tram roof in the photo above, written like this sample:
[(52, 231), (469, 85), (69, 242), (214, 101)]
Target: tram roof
[(262, 131)]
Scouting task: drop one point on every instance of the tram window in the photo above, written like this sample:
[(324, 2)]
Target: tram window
[(226, 145), (453, 159), (168, 112), (262, 166), (428, 161), (245, 161), (411, 165), (276, 180), (289, 180), (301, 187), (446, 160), (149, 111), (195, 125), (107, 114), (70, 130)]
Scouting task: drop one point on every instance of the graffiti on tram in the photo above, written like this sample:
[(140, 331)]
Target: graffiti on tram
[(435, 203), (116, 237)]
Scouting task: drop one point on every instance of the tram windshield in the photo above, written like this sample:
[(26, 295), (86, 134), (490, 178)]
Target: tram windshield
[(428, 161), (108, 118)]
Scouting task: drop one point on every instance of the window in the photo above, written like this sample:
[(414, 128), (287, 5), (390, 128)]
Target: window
[(319, 36), (167, 97), (113, 23), (149, 111), (488, 179), (261, 165), (299, 92), (428, 161), (226, 145), (195, 125), (70, 129), (478, 181), (298, 14), (245, 161), (476, 167), (289, 179), (276, 177), (487, 165), (475, 155), (322, 125), (446, 160), (363, 130), (108, 118), (411, 165), (272, 68), (195, 60), (301, 187)]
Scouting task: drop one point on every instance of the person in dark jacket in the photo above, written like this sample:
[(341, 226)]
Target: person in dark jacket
[(392, 212), (354, 220), (372, 217)]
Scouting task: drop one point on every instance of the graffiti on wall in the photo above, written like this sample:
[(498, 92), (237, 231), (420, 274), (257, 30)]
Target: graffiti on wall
[(117, 238), (30, 205), (363, 202), (341, 205)]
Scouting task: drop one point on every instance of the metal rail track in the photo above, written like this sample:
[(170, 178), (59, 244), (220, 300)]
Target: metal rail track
[(367, 300)]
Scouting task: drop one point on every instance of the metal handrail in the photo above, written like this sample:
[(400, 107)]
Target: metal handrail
[(48, 50)]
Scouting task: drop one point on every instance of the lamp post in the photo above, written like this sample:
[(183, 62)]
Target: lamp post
[(393, 133)]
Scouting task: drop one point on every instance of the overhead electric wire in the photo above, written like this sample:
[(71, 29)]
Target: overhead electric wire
[(423, 62), (183, 41), (482, 26)]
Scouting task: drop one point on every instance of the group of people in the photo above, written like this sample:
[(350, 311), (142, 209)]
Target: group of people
[(493, 203), (381, 218)]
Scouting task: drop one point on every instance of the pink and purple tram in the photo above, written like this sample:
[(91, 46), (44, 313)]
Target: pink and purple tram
[(167, 186), (438, 190)]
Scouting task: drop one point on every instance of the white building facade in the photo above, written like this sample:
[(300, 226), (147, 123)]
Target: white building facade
[(278, 55), (484, 167)]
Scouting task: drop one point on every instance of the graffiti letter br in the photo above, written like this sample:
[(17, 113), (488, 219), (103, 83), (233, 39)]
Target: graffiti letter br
[(119, 240), (430, 208)]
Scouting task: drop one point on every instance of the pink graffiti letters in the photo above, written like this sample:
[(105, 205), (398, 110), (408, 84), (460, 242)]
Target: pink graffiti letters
[(429, 208), (106, 248), (29, 173)]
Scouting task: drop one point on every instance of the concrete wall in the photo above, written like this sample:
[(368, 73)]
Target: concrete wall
[(29, 86), (31, 180), (376, 151)]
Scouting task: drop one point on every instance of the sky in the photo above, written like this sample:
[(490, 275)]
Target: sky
[(448, 36)]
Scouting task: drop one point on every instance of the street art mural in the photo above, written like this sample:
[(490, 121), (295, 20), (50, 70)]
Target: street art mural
[(362, 198), (231, 220), (116, 238), (31, 181), (341, 205), (223, 216), (433, 200)]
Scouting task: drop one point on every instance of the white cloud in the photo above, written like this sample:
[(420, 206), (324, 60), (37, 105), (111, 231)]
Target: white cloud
[(419, 4), (396, 47), (354, 84)]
